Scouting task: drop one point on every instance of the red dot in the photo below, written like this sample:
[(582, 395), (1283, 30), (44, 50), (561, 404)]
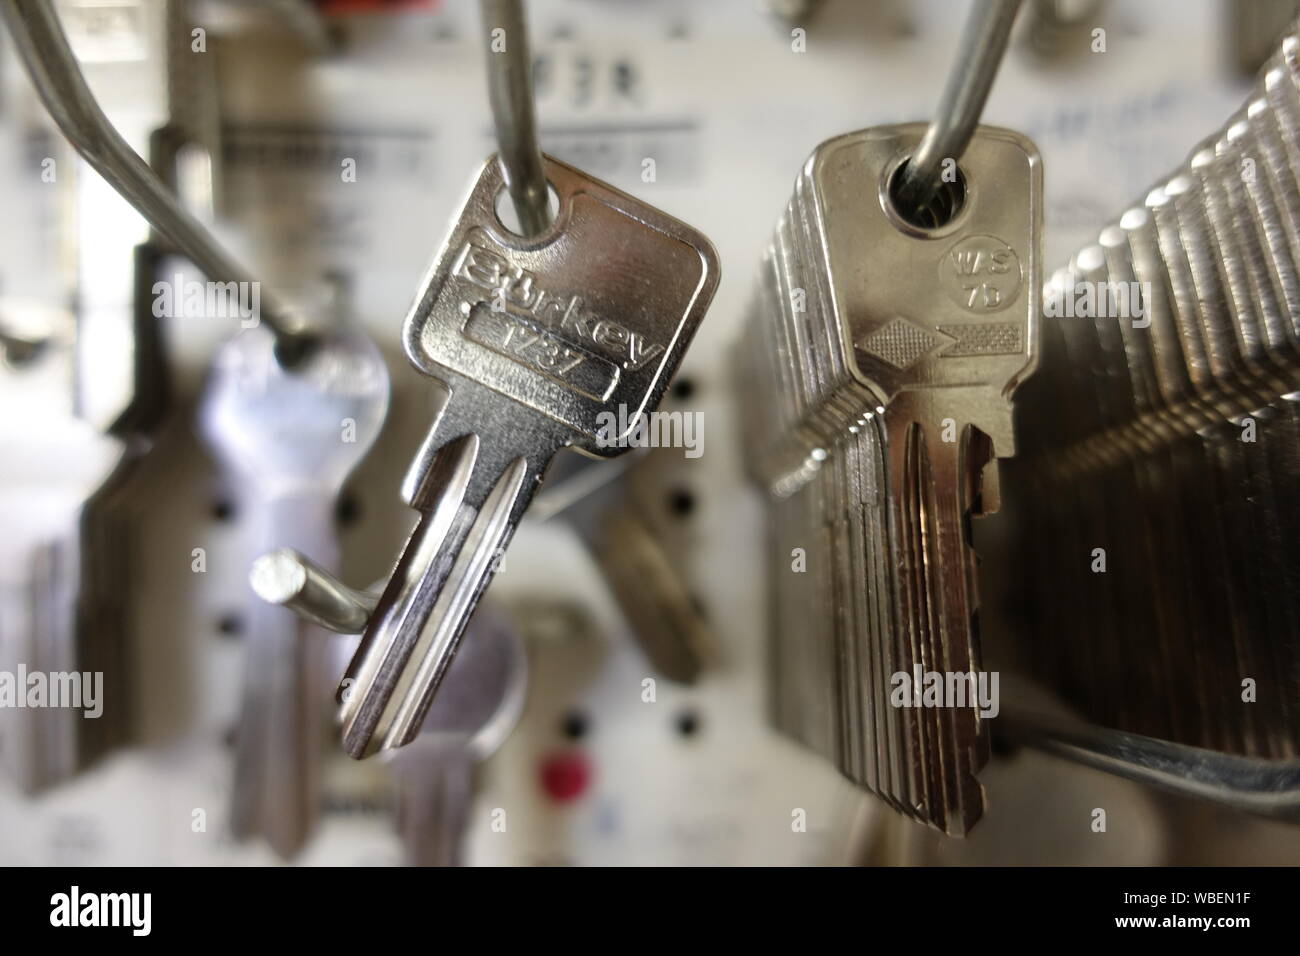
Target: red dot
[(565, 775)]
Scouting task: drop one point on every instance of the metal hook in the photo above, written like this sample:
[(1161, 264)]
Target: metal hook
[(289, 579), (984, 43), (510, 90), (1265, 788), (56, 75)]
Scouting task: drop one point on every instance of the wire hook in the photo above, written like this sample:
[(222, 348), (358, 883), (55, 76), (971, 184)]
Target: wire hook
[(510, 91), (56, 75), (984, 44)]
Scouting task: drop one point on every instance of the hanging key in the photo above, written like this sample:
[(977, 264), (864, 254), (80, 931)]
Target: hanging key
[(606, 503), (1164, 428), (890, 343), (896, 314), (436, 775), (65, 570), (288, 439), (52, 463), (472, 717), (533, 338)]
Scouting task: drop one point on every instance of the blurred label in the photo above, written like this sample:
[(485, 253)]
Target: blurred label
[(382, 153), (106, 31), (629, 153)]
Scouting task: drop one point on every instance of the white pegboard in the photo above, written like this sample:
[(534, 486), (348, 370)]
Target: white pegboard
[(714, 93)]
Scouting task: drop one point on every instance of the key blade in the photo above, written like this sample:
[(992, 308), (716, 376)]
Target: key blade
[(471, 498)]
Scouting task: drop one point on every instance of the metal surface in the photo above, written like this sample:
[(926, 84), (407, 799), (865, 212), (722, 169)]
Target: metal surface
[(510, 91), (535, 340), (1254, 29), (647, 578), (486, 684), (984, 44), (44, 50)]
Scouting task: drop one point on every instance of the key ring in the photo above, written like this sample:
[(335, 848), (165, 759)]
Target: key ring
[(510, 91)]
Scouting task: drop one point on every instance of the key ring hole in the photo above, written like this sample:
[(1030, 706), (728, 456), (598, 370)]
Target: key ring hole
[(509, 221), (933, 217)]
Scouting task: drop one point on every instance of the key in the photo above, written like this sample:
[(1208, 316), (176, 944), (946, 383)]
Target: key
[(104, 387), (467, 722), (890, 349), (57, 462), (608, 511), (536, 342), (1206, 579), (484, 696), (288, 439), (51, 463), (64, 566)]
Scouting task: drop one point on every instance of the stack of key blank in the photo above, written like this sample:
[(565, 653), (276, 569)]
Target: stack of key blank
[(876, 369), (1157, 502)]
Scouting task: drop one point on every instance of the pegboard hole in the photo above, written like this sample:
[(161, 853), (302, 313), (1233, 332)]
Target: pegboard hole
[(683, 389), (575, 725), (687, 723), (681, 502)]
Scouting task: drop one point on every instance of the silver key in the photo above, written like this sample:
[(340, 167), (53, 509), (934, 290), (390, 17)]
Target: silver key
[(468, 721), (51, 464), (887, 350), (95, 388), (608, 511), (289, 439), (533, 339), (1196, 514)]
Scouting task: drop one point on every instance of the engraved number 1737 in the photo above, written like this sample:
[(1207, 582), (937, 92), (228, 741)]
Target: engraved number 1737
[(540, 350)]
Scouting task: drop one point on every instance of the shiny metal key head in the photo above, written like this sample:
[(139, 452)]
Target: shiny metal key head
[(315, 420), (951, 305), (592, 314)]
